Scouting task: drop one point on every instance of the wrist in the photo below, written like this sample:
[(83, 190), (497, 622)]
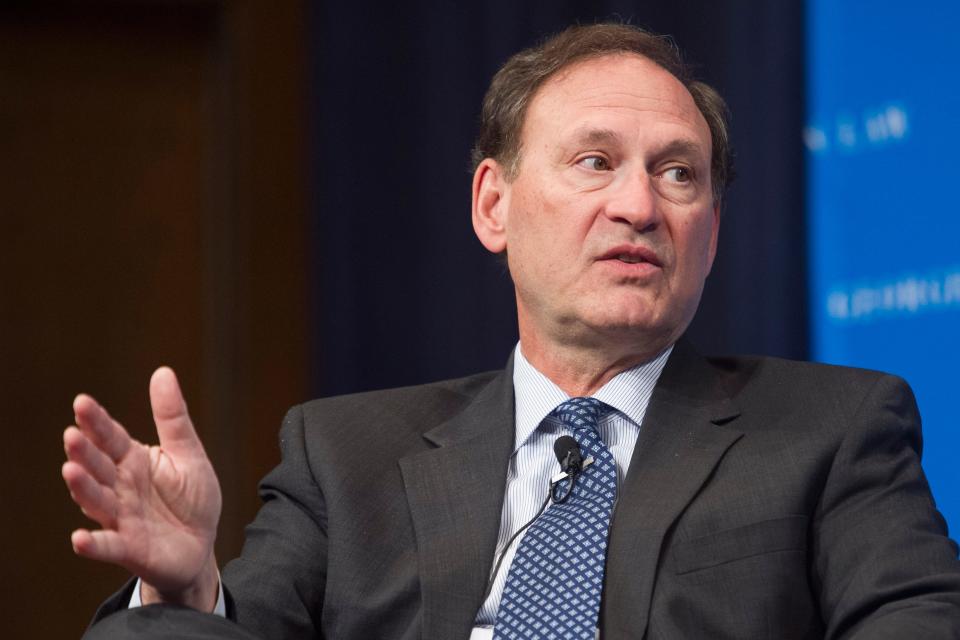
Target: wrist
[(201, 594)]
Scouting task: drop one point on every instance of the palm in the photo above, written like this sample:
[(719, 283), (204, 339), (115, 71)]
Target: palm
[(167, 512), (158, 506)]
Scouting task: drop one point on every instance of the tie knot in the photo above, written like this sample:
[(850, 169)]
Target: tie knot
[(579, 413)]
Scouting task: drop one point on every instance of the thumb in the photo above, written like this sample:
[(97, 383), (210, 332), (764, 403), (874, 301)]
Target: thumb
[(174, 427)]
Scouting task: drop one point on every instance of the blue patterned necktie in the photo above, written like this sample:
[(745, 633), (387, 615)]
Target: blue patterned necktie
[(555, 581)]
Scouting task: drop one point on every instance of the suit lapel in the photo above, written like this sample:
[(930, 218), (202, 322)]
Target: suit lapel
[(684, 435), (455, 493)]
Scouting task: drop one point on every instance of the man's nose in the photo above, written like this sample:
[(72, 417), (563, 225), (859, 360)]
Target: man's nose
[(633, 201)]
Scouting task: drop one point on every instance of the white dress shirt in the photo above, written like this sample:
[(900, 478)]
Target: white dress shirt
[(533, 462)]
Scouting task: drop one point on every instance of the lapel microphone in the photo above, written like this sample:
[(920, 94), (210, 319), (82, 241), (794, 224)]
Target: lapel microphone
[(568, 454), (571, 463)]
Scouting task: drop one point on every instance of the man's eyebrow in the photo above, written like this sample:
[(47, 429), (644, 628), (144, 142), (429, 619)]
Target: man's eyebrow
[(680, 147)]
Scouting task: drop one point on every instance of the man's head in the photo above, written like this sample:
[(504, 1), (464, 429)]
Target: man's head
[(514, 85), (598, 182)]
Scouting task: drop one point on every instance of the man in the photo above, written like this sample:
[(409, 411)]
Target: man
[(760, 499)]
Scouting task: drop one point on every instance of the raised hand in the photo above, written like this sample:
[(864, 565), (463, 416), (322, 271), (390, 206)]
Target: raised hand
[(157, 506)]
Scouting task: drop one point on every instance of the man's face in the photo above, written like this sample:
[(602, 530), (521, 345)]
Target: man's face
[(610, 226)]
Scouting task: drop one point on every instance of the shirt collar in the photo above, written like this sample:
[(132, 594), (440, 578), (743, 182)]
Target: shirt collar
[(537, 395)]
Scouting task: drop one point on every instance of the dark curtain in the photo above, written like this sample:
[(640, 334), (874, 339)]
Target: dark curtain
[(403, 291)]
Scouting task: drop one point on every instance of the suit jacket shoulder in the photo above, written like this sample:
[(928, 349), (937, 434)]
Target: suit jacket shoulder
[(382, 518), (770, 498), (388, 418)]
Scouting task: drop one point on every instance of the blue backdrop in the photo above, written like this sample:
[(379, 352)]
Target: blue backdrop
[(884, 242)]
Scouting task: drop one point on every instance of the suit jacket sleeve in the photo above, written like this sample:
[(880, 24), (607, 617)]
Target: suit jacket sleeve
[(881, 562), (276, 586)]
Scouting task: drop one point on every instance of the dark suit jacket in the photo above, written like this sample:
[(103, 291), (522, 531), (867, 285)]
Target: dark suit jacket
[(765, 499)]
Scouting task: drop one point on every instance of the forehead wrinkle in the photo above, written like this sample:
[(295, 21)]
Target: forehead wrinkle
[(576, 85), (595, 135), (594, 95), (674, 108)]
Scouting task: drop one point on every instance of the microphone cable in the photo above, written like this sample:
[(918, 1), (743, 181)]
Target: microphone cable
[(568, 455), (506, 547)]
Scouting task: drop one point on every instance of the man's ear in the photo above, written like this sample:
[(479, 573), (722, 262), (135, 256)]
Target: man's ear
[(490, 203)]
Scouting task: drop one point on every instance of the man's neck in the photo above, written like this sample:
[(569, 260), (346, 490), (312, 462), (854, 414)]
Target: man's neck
[(581, 370)]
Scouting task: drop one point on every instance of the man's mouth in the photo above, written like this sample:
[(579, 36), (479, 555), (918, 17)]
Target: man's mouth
[(633, 255)]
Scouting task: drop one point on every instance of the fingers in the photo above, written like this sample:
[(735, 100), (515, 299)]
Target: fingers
[(79, 449), (106, 546), (102, 430), (174, 427), (97, 501)]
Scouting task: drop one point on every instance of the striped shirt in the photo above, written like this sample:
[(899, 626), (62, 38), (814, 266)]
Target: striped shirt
[(533, 462)]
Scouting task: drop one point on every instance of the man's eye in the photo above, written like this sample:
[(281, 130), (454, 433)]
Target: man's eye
[(595, 163), (677, 174)]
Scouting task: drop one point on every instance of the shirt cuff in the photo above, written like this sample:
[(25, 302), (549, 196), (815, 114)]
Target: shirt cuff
[(219, 610)]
